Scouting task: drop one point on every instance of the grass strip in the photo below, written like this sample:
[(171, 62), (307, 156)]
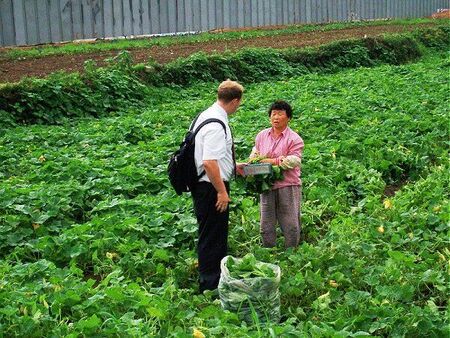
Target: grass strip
[(17, 53)]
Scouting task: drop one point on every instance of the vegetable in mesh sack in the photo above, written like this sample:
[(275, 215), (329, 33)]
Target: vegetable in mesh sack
[(249, 287)]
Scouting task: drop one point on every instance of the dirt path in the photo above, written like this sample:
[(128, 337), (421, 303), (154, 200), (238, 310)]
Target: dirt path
[(12, 71)]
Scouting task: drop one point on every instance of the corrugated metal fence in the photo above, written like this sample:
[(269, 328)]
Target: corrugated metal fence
[(29, 22)]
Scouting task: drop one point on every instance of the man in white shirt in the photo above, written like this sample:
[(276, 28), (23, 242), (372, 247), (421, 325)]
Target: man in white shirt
[(214, 156)]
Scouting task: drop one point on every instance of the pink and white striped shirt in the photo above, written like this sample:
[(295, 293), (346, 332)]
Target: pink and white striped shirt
[(287, 144)]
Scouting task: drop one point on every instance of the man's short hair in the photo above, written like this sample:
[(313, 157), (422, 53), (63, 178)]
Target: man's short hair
[(281, 105), (229, 90)]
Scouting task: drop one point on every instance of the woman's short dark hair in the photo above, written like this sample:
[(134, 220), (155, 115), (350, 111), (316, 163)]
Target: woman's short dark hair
[(281, 105)]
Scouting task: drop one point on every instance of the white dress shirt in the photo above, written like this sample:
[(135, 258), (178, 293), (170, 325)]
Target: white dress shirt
[(211, 143)]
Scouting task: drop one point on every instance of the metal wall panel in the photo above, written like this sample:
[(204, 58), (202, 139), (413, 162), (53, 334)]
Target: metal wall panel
[(117, 18), (309, 8), (171, 16), (285, 16), (195, 12), (136, 19), (296, 11), (43, 21), (188, 17), (220, 15), (345, 10), (260, 13), (226, 14), (211, 14), (65, 7), (240, 13), (3, 28), (145, 14), (31, 22), (423, 8), (302, 11), (273, 12), (98, 19), (315, 8), (203, 15), (332, 6), (87, 22), (279, 12), (291, 12), (233, 5), (180, 20), (19, 23), (325, 16), (7, 34), (247, 13), (254, 13), (163, 16), (108, 18), (77, 19), (319, 11)]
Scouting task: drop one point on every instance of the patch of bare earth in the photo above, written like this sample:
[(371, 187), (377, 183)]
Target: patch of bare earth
[(13, 71)]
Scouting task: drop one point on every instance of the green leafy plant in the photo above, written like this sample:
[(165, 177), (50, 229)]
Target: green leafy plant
[(93, 241), (263, 182), (247, 267)]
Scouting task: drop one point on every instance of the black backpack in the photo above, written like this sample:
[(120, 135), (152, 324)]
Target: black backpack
[(182, 170)]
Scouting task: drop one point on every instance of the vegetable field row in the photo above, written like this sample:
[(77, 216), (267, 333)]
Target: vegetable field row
[(94, 242)]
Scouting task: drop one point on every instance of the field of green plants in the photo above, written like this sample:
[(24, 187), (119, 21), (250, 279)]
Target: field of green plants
[(94, 242)]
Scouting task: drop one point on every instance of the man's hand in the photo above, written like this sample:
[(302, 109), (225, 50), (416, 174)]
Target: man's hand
[(213, 172), (222, 201), (240, 168)]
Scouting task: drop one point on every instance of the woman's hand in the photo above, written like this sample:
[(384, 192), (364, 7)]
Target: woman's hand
[(273, 161)]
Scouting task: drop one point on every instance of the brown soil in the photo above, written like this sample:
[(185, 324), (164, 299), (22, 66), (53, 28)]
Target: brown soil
[(390, 190), (12, 71), (445, 14)]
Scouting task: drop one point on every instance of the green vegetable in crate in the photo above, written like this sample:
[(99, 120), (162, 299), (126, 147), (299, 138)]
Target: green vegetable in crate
[(256, 159), (264, 182)]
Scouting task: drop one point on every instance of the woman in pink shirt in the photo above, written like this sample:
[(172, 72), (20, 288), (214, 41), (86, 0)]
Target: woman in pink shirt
[(281, 146)]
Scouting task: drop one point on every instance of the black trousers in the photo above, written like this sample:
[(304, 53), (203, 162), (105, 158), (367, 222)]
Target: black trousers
[(212, 234)]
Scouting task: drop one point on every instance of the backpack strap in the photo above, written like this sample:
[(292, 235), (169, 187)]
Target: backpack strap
[(207, 121), (212, 120), (193, 122)]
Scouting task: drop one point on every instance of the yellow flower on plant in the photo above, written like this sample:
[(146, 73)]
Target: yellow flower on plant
[(198, 334), (42, 158), (380, 229), (111, 255), (333, 283), (387, 204)]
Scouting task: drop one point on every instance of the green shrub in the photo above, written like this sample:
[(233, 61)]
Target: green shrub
[(60, 96), (434, 37), (99, 91)]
